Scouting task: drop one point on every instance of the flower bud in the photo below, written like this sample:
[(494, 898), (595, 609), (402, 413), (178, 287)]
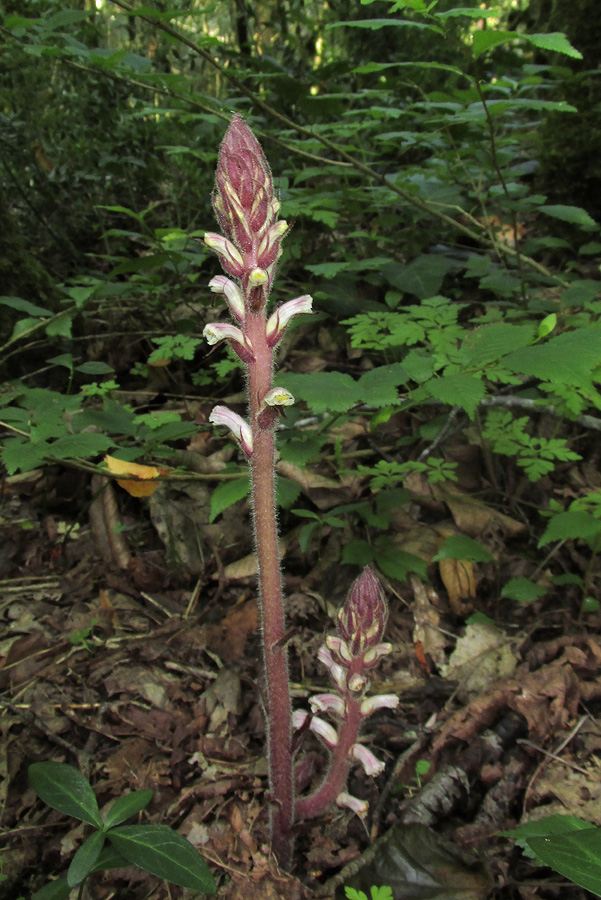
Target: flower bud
[(362, 618)]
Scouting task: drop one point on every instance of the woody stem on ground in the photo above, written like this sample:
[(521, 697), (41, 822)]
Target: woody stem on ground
[(275, 654)]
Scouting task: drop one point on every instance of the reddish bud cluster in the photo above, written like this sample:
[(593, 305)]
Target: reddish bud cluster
[(247, 209), (362, 619)]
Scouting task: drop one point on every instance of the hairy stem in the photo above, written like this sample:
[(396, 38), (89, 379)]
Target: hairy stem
[(271, 600)]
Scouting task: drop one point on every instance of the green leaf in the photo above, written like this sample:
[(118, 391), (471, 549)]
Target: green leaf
[(580, 292), (378, 387), (85, 859), (80, 445), (109, 859), (286, 492), (465, 391), (228, 493), (60, 326), (322, 391), (460, 546), (492, 342), (377, 24), (127, 806), (570, 357), (64, 788), (357, 553), (24, 306), (576, 856), (399, 564), (19, 454), (94, 368), (484, 39), (572, 214), (547, 325), (55, 890), (556, 824), (555, 41), (522, 590), (571, 526), (163, 852)]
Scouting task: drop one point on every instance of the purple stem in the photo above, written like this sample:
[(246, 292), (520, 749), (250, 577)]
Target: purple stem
[(271, 601)]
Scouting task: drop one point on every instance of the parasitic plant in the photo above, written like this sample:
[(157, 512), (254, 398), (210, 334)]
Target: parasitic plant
[(249, 247)]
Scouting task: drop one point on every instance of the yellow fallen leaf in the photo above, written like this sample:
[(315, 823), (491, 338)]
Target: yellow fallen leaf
[(142, 486)]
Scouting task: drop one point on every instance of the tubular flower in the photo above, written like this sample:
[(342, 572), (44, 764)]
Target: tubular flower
[(223, 331), (363, 754), (324, 731), (221, 415), (299, 718), (231, 258), (278, 321), (337, 672), (359, 807), (233, 295), (380, 701), (328, 703), (247, 209)]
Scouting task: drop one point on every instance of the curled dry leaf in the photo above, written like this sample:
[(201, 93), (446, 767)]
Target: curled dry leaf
[(143, 480)]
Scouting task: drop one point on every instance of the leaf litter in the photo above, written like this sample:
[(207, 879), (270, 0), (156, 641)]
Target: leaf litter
[(136, 659)]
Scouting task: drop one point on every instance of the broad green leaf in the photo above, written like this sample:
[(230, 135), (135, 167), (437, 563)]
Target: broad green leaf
[(357, 553), (465, 391), (460, 546), (64, 788), (371, 67), (485, 39), (492, 342), (109, 859), (127, 806), (25, 306), (377, 24), (555, 41), (556, 824), (85, 858), (55, 890), (379, 386), (580, 292), (20, 455), (522, 590), (397, 563), (575, 215), (470, 11), (576, 856), (64, 359), (80, 445), (228, 493), (286, 492), (163, 852), (94, 368), (571, 526), (65, 17), (322, 391), (567, 358)]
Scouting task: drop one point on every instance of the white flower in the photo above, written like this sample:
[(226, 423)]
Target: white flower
[(324, 731), (224, 331), (359, 807), (372, 655), (328, 703), (337, 672), (233, 295), (299, 717), (221, 415), (278, 321), (339, 647), (363, 754), (380, 701)]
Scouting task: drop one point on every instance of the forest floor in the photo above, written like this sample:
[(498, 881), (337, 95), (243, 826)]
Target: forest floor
[(145, 673)]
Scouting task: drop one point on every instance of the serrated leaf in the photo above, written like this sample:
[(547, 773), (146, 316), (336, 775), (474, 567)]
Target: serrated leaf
[(573, 214), (25, 306), (465, 391), (555, 41), (570, 357), (379, 386), (492, 342), (125, 807), (228, 493), (64, 788), (522, 590), (85, 858), (576, 856), (571, 526), (460, 546), (484, 39), (84, 445), (322, 391), (60, 326), (20, 455), (94, 368), (163, 852)]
